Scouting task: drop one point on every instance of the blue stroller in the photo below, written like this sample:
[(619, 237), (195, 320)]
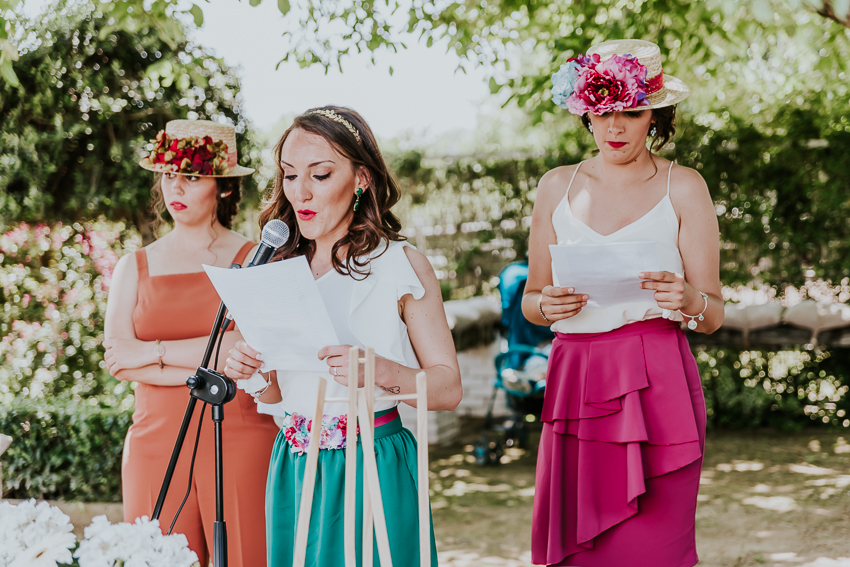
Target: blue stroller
[(520, 372)]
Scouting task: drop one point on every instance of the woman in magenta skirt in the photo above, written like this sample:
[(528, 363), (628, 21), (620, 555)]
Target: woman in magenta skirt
[(624, 416)]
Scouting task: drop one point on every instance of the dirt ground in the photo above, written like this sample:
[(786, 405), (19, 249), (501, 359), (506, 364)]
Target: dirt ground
[(767, 499)]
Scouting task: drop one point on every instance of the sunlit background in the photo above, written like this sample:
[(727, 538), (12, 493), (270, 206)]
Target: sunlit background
[(457, 93)]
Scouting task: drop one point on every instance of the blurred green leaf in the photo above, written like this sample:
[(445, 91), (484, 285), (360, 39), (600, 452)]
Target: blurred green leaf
[(8, 73), (283, 6), (197, 15)]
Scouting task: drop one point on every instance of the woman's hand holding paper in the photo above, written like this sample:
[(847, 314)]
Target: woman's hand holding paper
[(243, 362), (671, 290), (558, 303)]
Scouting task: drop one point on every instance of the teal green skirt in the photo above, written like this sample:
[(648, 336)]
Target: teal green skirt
[(395, 452)]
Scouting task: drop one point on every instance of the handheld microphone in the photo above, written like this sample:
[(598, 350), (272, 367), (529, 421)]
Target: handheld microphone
[(275, 235)]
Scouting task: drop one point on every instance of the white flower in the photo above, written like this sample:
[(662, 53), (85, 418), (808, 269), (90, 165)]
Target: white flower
[(140, 544), (55, 548), (34, 535)]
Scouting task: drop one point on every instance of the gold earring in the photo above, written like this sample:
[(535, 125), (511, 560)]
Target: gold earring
[(359, 193)]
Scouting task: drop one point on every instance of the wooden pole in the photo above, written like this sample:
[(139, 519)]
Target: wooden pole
[(308, 485), (370, 475), (369, 403), (350, 519), (422, 466)]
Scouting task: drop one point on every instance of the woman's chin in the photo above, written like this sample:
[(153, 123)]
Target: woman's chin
[(619, 156)]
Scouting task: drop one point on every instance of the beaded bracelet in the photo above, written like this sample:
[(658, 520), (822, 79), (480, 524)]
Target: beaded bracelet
[(540, 308)]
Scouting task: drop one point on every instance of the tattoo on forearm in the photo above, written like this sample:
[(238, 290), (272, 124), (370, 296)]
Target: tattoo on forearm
[(391, 389)]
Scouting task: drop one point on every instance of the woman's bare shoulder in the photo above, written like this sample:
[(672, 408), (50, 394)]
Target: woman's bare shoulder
[(554, 183), (687, 184), (126, 270)]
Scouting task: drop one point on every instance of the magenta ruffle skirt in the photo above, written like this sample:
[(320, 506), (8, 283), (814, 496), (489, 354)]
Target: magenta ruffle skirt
[(621, 450)]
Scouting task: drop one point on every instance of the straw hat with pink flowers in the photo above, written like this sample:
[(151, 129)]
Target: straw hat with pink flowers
[(195, 147), (616, 75)]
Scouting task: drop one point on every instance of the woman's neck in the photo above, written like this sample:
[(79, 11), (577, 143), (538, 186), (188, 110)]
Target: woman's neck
[(617, 174), (194, 236)]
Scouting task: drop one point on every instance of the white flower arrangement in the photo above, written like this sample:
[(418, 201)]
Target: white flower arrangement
[(133, 545), (34, 535), (39, 535)]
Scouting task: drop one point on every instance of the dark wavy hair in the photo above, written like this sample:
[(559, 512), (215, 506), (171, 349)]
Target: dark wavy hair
[(226, 207), (665, 126), (372, 223)]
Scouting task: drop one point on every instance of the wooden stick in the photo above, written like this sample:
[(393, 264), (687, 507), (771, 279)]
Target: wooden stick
[(369, 397), (351, 463), (370, 474), (308, 484), (422, 465), (387, 398)]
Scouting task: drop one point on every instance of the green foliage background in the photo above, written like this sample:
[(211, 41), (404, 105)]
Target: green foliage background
[(767, 128), (90, 99)]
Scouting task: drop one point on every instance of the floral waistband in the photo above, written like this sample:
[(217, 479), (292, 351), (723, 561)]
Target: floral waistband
[(296, 429)]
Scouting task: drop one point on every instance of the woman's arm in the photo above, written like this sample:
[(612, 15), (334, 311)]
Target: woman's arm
[(699, 245), (556, 302), (153, 375), (432, 341), (126, 353)]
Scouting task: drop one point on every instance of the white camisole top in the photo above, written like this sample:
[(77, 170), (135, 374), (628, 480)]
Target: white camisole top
[(660, 224)]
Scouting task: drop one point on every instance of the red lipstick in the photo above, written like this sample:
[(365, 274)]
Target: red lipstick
[(306, 214), (617, 145), (178, 206)]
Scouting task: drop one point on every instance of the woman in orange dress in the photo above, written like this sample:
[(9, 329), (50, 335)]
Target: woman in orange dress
[(159, 315)]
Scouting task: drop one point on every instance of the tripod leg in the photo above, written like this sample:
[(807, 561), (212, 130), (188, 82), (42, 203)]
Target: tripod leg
[(175, 454), (219, 526)]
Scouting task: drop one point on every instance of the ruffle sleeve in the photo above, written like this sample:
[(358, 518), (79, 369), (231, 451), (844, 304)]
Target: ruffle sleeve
[(374, 318)]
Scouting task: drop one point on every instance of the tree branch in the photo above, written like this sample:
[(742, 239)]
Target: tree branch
[(828, 12)]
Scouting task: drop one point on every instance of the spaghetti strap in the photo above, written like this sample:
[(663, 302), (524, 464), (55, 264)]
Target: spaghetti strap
[(142, 263), (243, 252), (573, 179), (566, 199), (669, 171)]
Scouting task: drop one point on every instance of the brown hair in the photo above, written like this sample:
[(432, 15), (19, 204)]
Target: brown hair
[(373, 222), (226, 207), (665, 126)]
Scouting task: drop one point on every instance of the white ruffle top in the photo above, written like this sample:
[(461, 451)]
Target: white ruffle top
[(661, 225), (364, 312)]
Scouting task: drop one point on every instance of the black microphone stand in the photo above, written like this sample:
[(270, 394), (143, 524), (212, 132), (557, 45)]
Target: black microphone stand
[(215, 389)]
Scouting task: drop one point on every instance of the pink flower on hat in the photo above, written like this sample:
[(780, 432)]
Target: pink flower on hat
[(617, 84)]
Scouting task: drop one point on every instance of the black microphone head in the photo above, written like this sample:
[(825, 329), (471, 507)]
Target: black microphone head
[(275, 233)]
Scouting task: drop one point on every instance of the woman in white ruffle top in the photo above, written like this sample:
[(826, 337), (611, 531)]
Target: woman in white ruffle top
[(333, 186)]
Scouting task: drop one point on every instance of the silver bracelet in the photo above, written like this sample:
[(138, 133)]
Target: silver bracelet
[(692, 324), (259, 394), (540, 308)]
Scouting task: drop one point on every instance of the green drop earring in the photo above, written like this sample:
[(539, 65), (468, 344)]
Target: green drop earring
[(359, 193)]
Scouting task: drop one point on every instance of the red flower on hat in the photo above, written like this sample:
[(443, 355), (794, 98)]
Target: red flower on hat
[(190, 156)]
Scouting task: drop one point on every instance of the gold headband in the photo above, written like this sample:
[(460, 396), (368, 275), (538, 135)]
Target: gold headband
[(336, 117)]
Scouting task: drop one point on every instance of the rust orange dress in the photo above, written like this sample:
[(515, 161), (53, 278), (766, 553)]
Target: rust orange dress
[(183, 306)]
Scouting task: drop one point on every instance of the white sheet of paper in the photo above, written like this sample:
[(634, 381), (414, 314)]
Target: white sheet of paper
[(607, 273), (279, 311)]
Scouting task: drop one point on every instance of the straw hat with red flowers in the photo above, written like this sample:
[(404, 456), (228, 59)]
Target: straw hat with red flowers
[(616, 75), (195, 147)]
